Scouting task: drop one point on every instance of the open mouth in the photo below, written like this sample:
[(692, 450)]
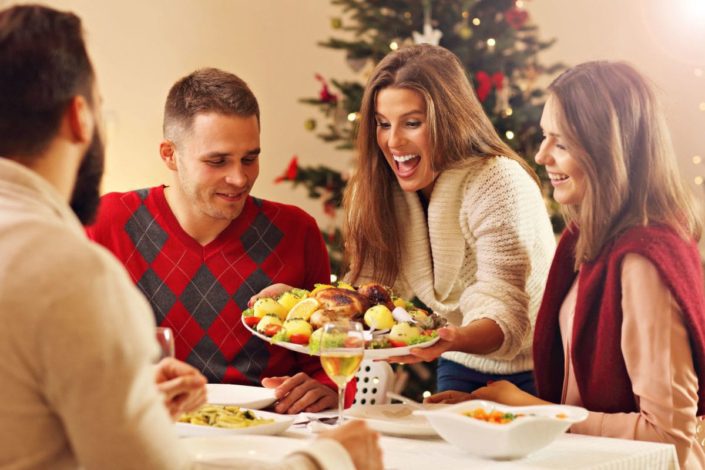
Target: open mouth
[(406, 164), (557, 178), (232, 197)]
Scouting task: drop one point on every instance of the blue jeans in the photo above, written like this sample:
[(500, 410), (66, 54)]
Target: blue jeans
[(453, 376)]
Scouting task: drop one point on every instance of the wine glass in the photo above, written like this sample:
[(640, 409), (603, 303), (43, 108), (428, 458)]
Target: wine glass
[(165, 339), (342, 348)]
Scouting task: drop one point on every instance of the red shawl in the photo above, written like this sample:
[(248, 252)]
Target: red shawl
[(600, 371)]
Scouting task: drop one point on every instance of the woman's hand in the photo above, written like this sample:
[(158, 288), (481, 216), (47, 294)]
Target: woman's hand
[(506, 393), (275, 290), (448, 335), (449, 397), (481, 336), (502, 391), (182, 386)]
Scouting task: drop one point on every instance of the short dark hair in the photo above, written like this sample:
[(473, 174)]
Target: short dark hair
[(43, 65), (207, 90)]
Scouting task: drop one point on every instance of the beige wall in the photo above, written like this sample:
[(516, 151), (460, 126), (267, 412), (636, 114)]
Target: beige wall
[(663, 38), (140, 47)]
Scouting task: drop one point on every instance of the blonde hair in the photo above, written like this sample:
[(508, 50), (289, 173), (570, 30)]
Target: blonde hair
[(616, 131), (459, 130)]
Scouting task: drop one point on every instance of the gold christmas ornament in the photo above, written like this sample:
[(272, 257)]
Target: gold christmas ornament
[(464, 31)]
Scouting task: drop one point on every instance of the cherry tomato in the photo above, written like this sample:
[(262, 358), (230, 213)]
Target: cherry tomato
[(299, 339), (251, 321), (272, 330)]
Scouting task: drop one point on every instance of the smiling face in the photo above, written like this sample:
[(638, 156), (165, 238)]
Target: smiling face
[(564, 170), (403, 137), (217, 163)]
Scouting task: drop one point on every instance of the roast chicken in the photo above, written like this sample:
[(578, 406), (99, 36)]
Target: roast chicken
[(377, 294), (338, 304)]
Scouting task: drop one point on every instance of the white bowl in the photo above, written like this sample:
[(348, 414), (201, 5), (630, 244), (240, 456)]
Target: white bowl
[(538, 428)]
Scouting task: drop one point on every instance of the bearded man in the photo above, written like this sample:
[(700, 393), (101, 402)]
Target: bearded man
[(79, 387)]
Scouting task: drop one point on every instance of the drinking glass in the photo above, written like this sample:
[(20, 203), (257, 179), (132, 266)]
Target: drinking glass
[(342, 348), (165, 338)]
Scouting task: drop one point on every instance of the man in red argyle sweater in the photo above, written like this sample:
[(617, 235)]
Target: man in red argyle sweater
[(201, 247)]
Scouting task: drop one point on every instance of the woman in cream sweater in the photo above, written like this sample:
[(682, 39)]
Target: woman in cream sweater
[(444, 211)]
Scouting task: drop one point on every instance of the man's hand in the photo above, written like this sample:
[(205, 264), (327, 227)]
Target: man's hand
[(300, 393), (183, 386), (275, 290), (506, 393), (361, 443), (449, 336)]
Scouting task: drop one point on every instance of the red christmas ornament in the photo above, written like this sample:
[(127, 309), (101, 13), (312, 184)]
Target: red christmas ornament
[(485, 83), (325, 95), (291, 171), (516, 17), (483, 86)]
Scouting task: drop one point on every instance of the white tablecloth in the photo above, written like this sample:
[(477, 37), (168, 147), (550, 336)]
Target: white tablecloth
[(568, 451)]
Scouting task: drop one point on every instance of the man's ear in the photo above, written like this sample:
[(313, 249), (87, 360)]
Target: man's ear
[(167, 150), (80, 119)]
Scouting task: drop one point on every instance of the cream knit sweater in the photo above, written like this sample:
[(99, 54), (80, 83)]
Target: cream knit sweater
[(485, 253)]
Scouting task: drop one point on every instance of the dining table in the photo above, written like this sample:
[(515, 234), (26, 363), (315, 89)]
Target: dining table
[(567, 451), (428, 452)]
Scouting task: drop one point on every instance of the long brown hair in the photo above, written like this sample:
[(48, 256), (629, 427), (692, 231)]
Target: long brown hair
[(616, 131), (459, 130)]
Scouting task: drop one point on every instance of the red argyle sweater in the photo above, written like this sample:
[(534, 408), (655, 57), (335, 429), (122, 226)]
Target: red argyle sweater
[(201, 291), (600, 371)]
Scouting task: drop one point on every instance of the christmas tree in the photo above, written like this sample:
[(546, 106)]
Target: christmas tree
[(495, 41)]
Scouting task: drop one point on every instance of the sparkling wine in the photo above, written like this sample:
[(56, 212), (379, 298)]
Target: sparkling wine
[(341, 366), (342, 348)]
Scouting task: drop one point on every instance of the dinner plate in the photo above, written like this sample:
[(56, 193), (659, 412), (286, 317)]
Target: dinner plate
[(369, 353), (221, 449), (280, 424), (394, 419), (254, 398)]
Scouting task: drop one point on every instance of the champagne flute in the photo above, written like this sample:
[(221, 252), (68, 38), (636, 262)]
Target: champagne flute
[(342, 348), (165, 339)]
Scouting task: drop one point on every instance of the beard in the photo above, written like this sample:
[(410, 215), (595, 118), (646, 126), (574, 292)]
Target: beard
[(86, 192)]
